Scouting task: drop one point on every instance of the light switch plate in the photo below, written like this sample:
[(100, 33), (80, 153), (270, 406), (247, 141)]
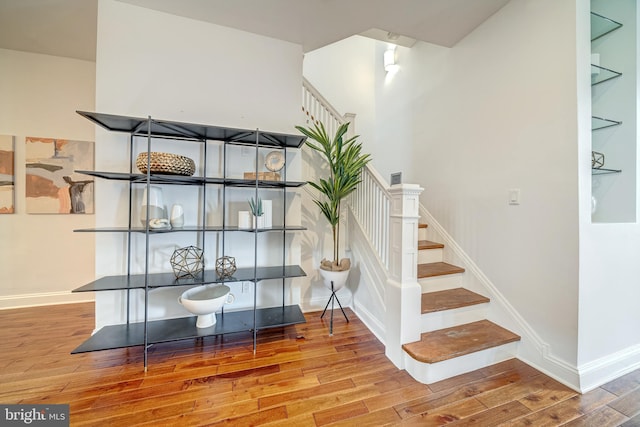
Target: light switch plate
[(514, 196)]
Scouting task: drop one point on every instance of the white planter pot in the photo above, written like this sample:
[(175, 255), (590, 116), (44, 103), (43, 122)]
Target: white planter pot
[(258, 221), (339, 278)]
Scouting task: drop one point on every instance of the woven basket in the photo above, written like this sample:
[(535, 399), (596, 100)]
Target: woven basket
[(166, 163)]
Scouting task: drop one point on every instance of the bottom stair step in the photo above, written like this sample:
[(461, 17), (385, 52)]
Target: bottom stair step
[(456, 341)]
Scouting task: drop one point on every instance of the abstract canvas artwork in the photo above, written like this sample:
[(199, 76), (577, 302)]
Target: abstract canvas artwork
[(6, 174), (51, 184)]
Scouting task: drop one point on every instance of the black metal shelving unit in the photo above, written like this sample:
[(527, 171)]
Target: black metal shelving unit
[(147, 333)]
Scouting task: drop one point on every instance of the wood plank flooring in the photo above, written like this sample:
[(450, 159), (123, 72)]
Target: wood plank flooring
[(299, 377)]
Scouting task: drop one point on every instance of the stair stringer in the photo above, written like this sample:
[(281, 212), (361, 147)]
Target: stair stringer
[(532, 349)]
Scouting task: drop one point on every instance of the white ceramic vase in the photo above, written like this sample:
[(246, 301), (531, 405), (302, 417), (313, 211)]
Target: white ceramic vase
[(177, 216), (155, 207)]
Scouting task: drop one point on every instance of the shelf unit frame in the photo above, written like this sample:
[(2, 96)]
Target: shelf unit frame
[(147, 333)]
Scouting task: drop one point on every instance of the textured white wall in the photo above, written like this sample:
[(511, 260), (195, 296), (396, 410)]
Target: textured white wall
[(169, 67), (42, 258)]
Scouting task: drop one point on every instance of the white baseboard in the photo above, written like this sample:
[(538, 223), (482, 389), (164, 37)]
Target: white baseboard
[(370, 321), (44, 298), (603, 370)]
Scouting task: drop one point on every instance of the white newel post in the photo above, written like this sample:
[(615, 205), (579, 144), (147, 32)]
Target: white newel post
[(403, 290)]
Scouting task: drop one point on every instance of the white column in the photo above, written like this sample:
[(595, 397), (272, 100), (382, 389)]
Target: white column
[(403, 290)]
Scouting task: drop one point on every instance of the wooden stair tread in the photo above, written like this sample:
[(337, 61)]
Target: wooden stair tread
[(445, 344), (422, 225), (432, 269), (428, 244), (450, 299)]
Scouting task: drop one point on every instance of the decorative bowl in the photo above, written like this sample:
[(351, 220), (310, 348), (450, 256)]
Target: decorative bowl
[(166, 163)]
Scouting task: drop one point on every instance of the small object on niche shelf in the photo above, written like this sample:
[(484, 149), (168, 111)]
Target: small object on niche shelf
[(226, 266), (187, 262), (166, 163), (597, 160), (274, 161), (263, 176)]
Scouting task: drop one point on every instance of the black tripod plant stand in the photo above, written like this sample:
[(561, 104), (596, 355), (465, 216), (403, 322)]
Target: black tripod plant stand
[(331, 299)]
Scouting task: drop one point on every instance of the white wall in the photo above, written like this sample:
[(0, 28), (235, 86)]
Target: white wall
[(498, 112), (42, 258), (348, 74), (609, 338), (169, 67)]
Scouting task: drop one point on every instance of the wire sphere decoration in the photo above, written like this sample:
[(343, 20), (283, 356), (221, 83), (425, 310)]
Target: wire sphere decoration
[(226, 266), (187, 262)]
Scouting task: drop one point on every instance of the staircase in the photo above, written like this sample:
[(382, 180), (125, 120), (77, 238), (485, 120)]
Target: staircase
[(451, 322), (456, 337)]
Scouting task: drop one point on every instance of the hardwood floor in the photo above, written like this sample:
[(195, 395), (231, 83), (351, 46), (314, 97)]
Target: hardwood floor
[(299, 377)]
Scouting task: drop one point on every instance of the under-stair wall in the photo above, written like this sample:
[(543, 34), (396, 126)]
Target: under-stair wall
[(532, 349)]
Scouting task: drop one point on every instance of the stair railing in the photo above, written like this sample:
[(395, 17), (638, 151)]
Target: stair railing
[(318, 110), (370, 202), (370, 205)]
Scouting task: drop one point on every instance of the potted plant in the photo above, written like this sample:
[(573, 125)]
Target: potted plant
[(345, 161), (256, 210)]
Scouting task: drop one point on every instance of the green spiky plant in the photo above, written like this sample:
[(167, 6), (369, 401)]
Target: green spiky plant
[(256, 206), (345, 162)]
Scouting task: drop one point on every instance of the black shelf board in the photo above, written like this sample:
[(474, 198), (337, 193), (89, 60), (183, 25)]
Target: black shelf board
[(159, 331), (187, 229), (161, 280), (138, 178), (232, 182), (191, 131)]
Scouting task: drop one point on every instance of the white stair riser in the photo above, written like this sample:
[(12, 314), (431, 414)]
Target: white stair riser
[(429, 255), (440, 283), (422, 234), (428, 373), (455, 317)]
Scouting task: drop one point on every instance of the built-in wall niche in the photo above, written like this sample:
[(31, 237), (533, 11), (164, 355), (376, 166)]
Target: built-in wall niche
[(614, 105)]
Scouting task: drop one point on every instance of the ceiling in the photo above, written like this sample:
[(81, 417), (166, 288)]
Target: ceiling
[(68, 27)]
